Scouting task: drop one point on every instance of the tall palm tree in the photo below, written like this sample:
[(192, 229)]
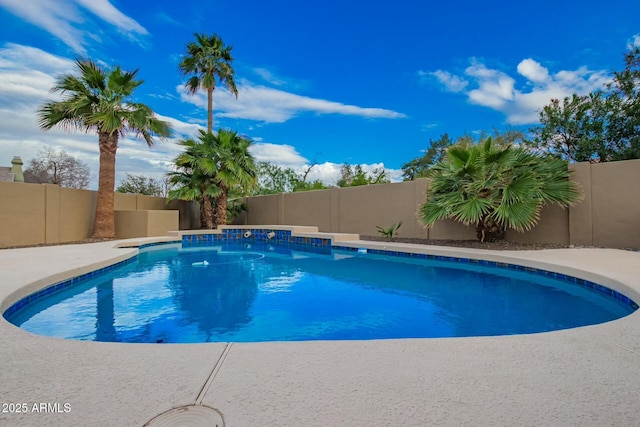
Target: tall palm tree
[(496, 188), (99, 101), (235, 167), (208, 60)]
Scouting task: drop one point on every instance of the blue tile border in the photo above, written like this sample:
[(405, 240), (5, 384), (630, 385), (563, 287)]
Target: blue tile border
[(581, 282), (261, 235), (146, 245), (284, 242), (62, 285)]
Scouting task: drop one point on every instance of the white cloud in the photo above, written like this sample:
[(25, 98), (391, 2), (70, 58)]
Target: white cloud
[(65, 19), (269, 77), (24, 88), (286, 156), (449, 81), (181, 129), (533, 71), (278, 154), (276, 106), (497, 90), (428, 126), (105, 10), (634, 42), (26, 76)]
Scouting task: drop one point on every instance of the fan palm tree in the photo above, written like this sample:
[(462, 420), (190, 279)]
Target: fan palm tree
[(496, 188), (235, 167), (208, 60), (190, 182), (209, 168), (98, 100)]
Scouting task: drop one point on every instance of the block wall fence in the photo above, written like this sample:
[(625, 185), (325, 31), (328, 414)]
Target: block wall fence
[(32, 214), (608, 215)]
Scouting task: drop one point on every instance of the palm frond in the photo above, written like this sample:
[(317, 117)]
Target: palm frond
[(507, 185)]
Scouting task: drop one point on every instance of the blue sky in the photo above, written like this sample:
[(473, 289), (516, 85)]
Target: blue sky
[(333, 82)]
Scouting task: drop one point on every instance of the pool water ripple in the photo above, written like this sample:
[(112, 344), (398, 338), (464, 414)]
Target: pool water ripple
[(236, 293)]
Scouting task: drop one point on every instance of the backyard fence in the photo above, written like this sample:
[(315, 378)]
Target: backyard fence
[(32, 214), (608, 215)]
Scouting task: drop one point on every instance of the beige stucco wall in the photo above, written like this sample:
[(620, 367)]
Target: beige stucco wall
[(33, 214), (363, 208), (308, 208), (161, 221), (150, 203), (608, 215), (77, 212), (580, 215), (615, 204), (147, 223), (125, 202), (264, 209), (131, 224), (22, 214), (553, 227)]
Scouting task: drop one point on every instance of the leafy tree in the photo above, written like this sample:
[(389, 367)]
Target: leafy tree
[(623, 128), (418, 167), (98, 100), (352, 177), (572, 130), (600, 127), (496, 188), (273, 179), (207, 60), (316, 184), (502, 139), (57, 167), (140, 184)]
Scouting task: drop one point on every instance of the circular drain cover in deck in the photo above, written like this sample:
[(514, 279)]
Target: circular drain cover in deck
[(192, 415)]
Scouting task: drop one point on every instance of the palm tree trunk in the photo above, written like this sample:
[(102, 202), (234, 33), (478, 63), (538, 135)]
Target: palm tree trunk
[(203, 217), (488, 230), (210, 109), (206, 213), (221, 207), (104, 226)]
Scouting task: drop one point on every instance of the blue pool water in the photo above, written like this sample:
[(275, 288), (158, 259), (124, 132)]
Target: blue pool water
[(261, 292)]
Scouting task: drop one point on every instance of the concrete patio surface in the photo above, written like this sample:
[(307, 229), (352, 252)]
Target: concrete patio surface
[(587, 376)]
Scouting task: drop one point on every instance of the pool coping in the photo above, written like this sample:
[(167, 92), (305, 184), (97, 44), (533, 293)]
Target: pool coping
[(610, 351)]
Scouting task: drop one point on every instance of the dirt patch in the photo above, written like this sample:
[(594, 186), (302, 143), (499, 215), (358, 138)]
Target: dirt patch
[(502, 245)]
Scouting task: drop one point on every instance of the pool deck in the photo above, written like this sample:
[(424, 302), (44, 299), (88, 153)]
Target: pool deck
[(587, 376)]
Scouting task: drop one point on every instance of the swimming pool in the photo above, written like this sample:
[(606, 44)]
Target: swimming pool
[(258, 291)]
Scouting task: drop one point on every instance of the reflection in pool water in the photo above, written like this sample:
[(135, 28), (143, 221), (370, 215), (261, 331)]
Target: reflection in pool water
[(266, 292)]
